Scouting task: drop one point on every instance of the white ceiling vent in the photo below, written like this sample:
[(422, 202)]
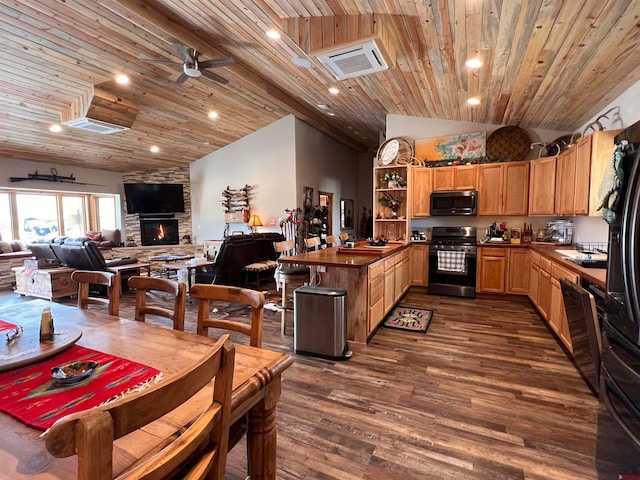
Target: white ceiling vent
[(95, 126), (354, 60)]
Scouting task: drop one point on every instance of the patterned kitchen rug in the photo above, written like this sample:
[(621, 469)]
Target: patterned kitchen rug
[(409, 318)]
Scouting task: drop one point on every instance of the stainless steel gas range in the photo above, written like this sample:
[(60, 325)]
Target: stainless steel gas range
[(453, 261)]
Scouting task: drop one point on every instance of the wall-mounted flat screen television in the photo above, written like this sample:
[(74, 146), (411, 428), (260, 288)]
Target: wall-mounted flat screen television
[(154, 197)]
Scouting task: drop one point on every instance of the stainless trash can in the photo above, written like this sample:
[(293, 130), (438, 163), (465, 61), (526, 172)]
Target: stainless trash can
[(320, 323)]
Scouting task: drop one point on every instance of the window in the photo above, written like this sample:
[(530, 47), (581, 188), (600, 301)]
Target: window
[(32, 217), (6, 230), (74, 216), (107, 213), (37, 217)]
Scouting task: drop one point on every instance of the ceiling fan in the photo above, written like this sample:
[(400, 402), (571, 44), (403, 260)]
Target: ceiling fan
[(192, 67)]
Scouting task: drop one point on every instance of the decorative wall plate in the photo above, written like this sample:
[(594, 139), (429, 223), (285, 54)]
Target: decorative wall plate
[(395, 151)]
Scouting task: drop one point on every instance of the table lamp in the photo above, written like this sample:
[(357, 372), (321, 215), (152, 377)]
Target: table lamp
[(254, 221)]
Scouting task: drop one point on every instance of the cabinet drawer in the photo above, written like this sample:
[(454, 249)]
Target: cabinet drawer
[(559, 272), (389, 262), (545, 264), (494, 251), (535, 258), (376, 270)]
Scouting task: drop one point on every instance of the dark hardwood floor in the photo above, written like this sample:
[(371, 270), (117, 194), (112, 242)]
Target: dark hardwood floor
[(486, 393)]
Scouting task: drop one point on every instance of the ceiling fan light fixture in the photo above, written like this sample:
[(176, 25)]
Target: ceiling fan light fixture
[(191, 69)]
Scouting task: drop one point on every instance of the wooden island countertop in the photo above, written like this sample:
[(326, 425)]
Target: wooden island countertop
[(349, 269), (360, 256)]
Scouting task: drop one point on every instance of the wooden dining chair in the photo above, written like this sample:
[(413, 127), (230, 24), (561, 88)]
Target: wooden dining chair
[(194, 450), (85, 278), (144, 285), (344, 237), (205, 293), (288, 278), (332, 240), (312, 243)]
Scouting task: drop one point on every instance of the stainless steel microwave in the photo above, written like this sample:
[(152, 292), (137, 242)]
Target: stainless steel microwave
[(457, 202)]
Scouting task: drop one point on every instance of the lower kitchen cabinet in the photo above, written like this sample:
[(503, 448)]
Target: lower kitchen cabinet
[(418, 258), (557, 313), (503, 270), (388, 281), (491, 269)]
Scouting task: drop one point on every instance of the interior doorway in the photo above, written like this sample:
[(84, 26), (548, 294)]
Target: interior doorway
[(325, 199)]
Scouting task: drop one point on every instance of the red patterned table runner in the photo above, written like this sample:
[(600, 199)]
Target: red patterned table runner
[(4, 326), (32, 396)]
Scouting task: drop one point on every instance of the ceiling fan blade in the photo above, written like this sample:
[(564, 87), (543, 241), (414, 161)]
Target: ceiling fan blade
[(181, 79), (216, 62), (183, 52), (214, 76)]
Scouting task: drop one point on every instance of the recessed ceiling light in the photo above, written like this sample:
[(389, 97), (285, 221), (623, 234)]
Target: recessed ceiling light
[(122, 79), (473, 101), (322, 106), (274, 34), (55, 128), (331, 114), (301, 62), (334, 90), (474, 63), (213, 115), (154, 149)]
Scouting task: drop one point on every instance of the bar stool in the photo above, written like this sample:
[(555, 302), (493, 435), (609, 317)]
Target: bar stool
[(288, 278)]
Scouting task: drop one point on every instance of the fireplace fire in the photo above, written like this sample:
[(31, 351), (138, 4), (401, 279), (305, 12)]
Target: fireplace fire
[(159, 231)]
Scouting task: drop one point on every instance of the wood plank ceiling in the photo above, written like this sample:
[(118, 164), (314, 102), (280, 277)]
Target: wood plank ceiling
[(547, 64)]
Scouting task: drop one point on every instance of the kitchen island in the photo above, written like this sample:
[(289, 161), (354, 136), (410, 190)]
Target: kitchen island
[(375, 278)]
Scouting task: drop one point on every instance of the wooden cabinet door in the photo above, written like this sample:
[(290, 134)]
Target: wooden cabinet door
[(515, 190), (397, 289), (558, 315), (491, 270), (542, 186), (418, 255), (601, 154), (544, 292), (376, 294), (389, 284), (518, 271), (490, 182), (465, 177), (421, 187), (565, 181), (533, 283), (583, 176), (443, 179)]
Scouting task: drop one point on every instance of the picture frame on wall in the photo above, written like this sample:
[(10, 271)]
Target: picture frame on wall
[(346, 214), (464, 147)]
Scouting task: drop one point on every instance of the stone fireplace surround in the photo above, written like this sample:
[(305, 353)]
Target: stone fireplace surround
[(168, 175)]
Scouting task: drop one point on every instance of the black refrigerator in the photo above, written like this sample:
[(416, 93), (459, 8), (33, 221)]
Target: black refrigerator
[(618, 448)]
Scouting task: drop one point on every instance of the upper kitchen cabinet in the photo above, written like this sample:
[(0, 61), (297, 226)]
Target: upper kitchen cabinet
[(421, 187), (503, 188), (542, 186), (460, 177), (566, 181)]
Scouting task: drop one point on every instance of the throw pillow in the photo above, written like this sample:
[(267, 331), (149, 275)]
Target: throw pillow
[(17, 245), (5, 247), (95, 236)]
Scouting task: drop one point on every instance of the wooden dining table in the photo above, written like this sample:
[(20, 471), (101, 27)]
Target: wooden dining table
[(256, 391)]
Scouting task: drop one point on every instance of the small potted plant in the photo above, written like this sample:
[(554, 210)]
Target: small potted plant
[(393, 179), (393, 203)]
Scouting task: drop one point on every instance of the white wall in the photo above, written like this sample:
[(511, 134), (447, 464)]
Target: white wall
[(265, 160), (104, 182), (326, 165)]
